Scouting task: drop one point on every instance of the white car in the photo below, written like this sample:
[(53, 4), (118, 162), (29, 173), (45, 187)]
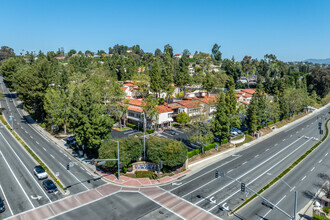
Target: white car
[(40, 173)]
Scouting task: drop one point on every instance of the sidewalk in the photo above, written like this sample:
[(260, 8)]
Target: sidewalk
[(193, 168)]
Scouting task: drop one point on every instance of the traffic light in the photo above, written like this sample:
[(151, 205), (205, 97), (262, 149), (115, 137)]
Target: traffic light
[(68, 167), (243, 187), (216, 174)]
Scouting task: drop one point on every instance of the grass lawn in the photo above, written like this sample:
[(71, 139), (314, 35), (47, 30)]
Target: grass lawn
[(123, 128), (248, 138)]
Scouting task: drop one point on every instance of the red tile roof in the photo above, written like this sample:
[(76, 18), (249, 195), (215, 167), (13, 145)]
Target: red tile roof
[(250, 91), (135, 102), (135, 109), (207, 99), (130, 84), (189, 103), (163, 109), (173, 106), (123, 88), (247, 95), (245, 103)]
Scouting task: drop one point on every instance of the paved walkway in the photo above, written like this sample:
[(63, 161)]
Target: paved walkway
[(163, 198)]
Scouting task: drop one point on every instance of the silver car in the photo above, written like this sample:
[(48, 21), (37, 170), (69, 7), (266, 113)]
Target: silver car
[(40, 173)]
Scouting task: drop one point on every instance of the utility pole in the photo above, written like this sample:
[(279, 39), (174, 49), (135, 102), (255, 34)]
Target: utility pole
[(243, 186), (144, 135)]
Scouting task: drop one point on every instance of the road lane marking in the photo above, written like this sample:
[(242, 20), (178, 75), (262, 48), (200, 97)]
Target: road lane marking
[(312, 169), (244, 163), (275, 145), (267, 149), (257, 176), (320, 161), (326, 155), (271, 209), (4, 195), (230, 171), (28, 171), (283, 139), (75, 177), (265, 161), (292, 188), (44, 149), (297, 132), (37, 142), (303, 178), (82, 168), (31, 137), (26, 132), (16, 179), (198, 176), (52, 156), (291, 135), (256, 156)]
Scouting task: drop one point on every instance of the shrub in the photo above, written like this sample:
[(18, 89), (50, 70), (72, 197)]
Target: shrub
[(269, 123), (224, 141), (209, 147), (144, 174), (326, 210), (194, 152), (150, 131)]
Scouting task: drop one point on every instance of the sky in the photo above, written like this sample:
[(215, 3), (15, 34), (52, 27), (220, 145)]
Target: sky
[(293, 30)]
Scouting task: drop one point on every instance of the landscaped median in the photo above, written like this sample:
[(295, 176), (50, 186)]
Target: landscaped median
[(32, 153), (293, 165)]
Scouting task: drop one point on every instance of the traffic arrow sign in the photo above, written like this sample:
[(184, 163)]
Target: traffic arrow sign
[(176, 184), (37, 197)]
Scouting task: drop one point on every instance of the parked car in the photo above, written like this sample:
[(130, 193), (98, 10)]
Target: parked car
[(50, 186), (40, 172), (2, 205), (234, 133)]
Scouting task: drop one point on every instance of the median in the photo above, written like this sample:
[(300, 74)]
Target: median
[(32, 154), (293, 165)]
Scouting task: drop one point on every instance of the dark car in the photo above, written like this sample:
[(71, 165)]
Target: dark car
[(50, 186), (2, 205), (172, 132)]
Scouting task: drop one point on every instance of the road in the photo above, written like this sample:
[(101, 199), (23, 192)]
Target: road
[(77, 179), (306, 179), (250, 166)]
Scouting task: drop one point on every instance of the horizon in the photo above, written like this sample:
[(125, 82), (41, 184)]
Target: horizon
[(293, 31)]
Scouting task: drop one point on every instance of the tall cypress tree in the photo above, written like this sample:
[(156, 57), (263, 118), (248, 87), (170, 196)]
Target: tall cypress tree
[(182, 77), (221, 122), (251, 118), (155, 78), (261, 106), (232, 104)]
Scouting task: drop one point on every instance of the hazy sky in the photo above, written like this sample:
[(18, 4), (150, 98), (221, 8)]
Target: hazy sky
[(290, 29)]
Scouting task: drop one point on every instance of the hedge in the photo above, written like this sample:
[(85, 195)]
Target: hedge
[(287, 169), (32, 154), (144, 174)]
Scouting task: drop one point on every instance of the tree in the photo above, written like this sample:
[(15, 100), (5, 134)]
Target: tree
[(130, 149), (208, 83), (150, 110), (246, 66), (172, 152), (186, 52), (168, 49), (142, 80), (261, 106), (72, 51), (216, 54), (231, 101), (155, 78), (273, 109), (221, 121), (158, 53), (182, 78), (183, 118), (251, 118), (319, 81), (201, 133), (88, 52), (56, 107), (8, 69), (5, 53)]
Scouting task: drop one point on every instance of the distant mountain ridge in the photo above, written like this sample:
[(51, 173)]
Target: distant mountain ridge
[(321, 61)]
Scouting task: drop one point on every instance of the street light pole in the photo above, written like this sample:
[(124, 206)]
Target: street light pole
[(295, 196), (117, 155), (144, 136)]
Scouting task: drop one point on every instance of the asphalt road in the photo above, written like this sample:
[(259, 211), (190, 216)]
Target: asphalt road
[(77, 179), (250, 166), (123, 205), (306, 179)]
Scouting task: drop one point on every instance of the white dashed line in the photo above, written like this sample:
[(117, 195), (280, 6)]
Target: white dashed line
[(303, 178), (82, 168), (275, 145), (267, 149), (31, 137), (291, 135), (312, 169), (52, 156), (37, 142), (256, 156), (244, 163), (44, 149), (326, 154), (21, 127), (320, 161), (26, 132), (283, 139)]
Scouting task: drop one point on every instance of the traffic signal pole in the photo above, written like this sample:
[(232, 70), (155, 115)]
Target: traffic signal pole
[(243, 185)]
